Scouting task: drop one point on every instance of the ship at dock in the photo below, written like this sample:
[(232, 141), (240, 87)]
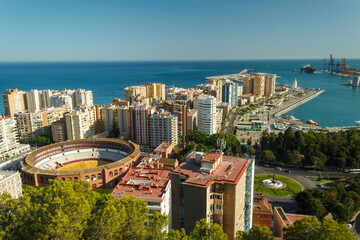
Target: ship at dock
[(307, 69)]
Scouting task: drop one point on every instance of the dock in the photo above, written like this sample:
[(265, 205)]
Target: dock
[(288, 106)]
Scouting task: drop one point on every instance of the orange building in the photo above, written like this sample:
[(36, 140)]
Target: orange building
[(262, 211)]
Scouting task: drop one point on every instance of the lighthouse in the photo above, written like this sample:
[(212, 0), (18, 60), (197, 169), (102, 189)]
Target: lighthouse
[(294, 86)]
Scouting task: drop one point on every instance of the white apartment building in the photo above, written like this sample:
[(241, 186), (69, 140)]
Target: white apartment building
[(163, 128), (58, 99), (82, 97), (81, 123), (151, 185), (9, 143), (10, 182), (33, 100), (46, 98), (206, 106)]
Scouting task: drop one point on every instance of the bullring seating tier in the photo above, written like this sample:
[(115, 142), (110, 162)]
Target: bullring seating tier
[(51, 163)]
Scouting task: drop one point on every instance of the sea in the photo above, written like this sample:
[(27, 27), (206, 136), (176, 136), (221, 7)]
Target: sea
[(338, 106)]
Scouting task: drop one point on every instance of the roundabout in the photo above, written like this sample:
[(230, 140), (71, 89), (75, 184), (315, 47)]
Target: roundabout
[(276, 185)]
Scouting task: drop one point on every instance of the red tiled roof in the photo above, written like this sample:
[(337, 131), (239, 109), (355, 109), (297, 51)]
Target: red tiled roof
[(229, 170), (261, 205), (147, 184)]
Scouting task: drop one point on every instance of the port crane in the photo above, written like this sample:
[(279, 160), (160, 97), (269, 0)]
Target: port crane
[(332, 66)]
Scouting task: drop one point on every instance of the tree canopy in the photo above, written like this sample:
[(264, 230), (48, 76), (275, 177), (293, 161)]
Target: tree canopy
[(257, 232), (311, 228), (313, 149), (42, 140), (342, 200), (65, 210)]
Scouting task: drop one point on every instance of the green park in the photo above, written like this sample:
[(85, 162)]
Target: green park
[(291, 187)]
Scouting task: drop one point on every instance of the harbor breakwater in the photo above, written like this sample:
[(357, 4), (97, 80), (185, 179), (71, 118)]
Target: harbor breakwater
[(292, 104)]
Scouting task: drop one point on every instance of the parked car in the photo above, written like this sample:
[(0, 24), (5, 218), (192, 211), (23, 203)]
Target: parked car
[(266, 165), (287, 170), (278, 168)]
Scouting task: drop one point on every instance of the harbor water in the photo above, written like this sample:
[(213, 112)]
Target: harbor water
[(337, 106)]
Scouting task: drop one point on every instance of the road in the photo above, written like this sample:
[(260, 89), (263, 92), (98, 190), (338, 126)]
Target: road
[(300, 175), (356, 227)]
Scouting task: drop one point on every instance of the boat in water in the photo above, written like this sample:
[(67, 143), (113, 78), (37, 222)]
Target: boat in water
[(307, 69), (312, 122)]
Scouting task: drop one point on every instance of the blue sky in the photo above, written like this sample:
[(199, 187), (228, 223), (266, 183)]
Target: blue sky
[(94, 30)]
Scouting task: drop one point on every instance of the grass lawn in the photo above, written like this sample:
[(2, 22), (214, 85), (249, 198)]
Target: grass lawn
[(292, 187), (323, 180)]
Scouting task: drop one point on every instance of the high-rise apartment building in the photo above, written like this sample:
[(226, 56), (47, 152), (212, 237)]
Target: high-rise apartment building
[(206, 106), (59, 99), (219, 84), (215, 187), (82, 97), (163, 128), (149, 91), (14, 101), (230, 93), (177, 108), (81, 123), (140, 123), (33, 99), (270, 80), (116, 116), (9, 142), (259, 84), (155, 90), (10, 182), (130, 92), (46, 98), (191, 120), (8, 132), (31, 124), (58, 130)]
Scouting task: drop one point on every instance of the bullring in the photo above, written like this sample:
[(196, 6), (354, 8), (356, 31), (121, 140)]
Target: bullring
[(100, 161)]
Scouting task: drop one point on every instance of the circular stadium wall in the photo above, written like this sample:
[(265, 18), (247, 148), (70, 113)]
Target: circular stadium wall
[(99, 161)]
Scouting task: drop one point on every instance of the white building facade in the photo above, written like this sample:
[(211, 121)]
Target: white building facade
[(206, 106)]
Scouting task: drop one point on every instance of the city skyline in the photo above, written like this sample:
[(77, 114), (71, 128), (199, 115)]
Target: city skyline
[(176, 30)]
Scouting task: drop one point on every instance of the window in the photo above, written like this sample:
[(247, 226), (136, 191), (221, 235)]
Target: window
[(153, 203), (99, 176), (93, 177), (87, 178), (218, 207), (110, 174), (116, 172), (212, 207)]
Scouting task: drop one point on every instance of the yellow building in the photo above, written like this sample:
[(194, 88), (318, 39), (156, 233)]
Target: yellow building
[(81, 123), (145, 92), (14, 101), (259, 84), (218, 83)]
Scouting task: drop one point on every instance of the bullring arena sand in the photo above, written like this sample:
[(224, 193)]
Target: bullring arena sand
[(82, 165)]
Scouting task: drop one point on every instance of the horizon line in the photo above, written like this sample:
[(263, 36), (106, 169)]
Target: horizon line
[(160, 60)]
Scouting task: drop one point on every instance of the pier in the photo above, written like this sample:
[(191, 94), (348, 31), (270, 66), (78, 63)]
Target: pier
[(288, 106)]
